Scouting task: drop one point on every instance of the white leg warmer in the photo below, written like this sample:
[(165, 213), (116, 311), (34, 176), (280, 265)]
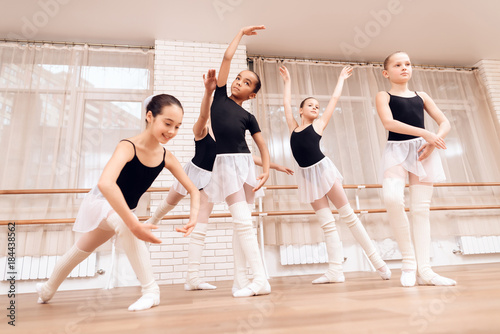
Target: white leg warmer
[(160, 212), (196, 246), (242, 219), (139, 258), (62, 269), (333, 248), (420, 202), (240, 264), (393, 189), (357, 229)]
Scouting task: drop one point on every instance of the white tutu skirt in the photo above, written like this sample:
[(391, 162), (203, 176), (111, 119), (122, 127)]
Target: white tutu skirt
[(199, 176), (404, 153), (94, 209), (230, 173), (316, 181)]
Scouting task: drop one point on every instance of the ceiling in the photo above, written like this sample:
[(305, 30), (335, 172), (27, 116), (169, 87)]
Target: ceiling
[(444, 32)]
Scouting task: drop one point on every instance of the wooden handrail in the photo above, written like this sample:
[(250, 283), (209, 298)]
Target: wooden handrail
[(255, 214), (61, 191), (166, 189)]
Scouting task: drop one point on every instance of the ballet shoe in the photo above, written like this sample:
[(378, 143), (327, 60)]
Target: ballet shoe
[(437, 280), (325, 280), (247, 292), (408, 278), (201, 286), (41, 298), (147, 301), (385, 275)]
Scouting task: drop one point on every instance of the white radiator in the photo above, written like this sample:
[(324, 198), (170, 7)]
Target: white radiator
[(29, 267), (303, 254), (479, 245)]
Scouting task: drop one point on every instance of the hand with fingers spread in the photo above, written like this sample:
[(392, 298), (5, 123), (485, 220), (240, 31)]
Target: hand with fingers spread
[(346, 72), (186, 229), (284, 73)]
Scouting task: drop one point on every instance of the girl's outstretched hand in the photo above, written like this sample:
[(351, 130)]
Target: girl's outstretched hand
[(250, 30), (262, 179), (186, 229), (143, 232), (284, 73), (210, 80), (346, 72), (284, 169)]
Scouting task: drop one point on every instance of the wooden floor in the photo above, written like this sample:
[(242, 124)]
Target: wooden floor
[(364, 304)]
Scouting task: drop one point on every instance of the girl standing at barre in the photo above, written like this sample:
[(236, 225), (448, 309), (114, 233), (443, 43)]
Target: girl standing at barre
[(319, 179)]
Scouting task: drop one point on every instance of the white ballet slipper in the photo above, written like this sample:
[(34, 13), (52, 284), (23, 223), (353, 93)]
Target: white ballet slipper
[(437, 280), (147, 301), (201, 286), (247, 292), (325, 280), (385, 275), (408, 278)]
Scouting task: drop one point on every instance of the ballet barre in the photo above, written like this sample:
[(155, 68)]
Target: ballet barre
[(260, 213)]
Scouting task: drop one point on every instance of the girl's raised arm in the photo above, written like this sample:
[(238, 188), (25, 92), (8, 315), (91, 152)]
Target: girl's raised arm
[(124, 152), (330, 108), (230, 51), (287, 99), (200, 127), (173, 165)]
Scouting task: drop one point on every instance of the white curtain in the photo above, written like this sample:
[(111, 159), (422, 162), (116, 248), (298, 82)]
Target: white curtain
[(355, 139), (62, 111)]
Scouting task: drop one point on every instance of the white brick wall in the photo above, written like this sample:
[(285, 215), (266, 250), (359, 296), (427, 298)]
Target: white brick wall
[(489, 70), (179, 69)]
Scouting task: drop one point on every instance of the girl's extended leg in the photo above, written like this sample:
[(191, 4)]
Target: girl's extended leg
[(333, 244), (168, 204), (196, 246), (76, 254), (242, 218), (420, 201), (139, 258), (339, 199), (393, 189)]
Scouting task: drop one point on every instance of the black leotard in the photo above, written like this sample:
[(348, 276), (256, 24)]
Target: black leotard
[(409, 110), (305, 146), (204, 153), (135, 178)]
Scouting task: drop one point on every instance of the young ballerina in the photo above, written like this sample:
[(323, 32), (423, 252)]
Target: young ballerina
[(108, 209), (233, 176), (410, 151), (199, 170), (319, 179)]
